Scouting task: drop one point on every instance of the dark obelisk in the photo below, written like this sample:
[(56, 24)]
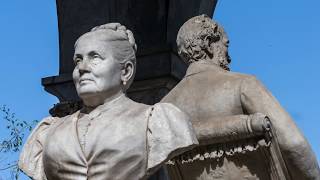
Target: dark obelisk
[(155, 24)]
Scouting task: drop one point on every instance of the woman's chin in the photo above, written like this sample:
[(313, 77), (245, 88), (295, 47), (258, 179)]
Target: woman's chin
[(89, 97), (86, 93)]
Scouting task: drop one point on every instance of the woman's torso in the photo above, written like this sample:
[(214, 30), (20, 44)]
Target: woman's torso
[(115, 146)]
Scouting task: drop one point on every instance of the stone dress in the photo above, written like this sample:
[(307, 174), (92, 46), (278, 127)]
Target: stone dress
[(124, 140)]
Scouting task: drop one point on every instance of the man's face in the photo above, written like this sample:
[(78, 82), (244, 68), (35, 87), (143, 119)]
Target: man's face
[(96, 72)]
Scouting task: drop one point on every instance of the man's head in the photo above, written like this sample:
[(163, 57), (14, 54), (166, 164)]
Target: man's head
[(202, 39)]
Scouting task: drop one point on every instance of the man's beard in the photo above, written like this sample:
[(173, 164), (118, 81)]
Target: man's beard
[(221, 57)]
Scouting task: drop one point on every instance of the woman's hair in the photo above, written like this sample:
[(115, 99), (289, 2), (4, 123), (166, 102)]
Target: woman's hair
[(122, 42)]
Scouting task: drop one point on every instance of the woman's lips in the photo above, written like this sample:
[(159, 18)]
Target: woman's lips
[(84, 81)]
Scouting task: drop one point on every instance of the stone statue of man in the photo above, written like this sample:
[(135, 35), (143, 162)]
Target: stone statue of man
[(209, 92)]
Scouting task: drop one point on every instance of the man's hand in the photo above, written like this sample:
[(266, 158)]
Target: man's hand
[(259, 123)]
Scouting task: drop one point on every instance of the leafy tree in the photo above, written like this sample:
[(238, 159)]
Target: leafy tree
[(13, 130)]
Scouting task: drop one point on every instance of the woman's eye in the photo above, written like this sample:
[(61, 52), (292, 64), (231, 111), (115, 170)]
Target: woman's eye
[(96, 56), (77, 61)]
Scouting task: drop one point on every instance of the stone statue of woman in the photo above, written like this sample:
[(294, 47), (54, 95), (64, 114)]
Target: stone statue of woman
[(111, 137)]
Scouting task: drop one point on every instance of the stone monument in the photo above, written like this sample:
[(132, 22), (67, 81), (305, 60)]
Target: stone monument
[(111, 137), (216, 99), (155, 24)]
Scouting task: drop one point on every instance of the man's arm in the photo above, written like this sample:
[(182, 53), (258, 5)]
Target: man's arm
[(229, 128), (296, 151)]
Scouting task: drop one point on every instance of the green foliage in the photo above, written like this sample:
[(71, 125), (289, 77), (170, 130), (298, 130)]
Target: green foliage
[(11, 143)]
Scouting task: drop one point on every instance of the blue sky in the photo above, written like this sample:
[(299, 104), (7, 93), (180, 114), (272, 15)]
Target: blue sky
[(278, 41)]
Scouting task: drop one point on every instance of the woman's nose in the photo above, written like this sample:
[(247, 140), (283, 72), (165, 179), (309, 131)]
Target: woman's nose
[(84, 67)]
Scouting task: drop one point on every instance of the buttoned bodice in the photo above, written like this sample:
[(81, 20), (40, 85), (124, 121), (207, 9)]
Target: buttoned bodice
[(115, 143), (125, 140)]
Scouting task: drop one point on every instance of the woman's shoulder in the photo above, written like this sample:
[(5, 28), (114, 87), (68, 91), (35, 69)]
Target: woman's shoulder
[(169, 117), (41, 127), (169, 112), (45, 122), (168, 107), (170, 133), (30, 161), (44, 125)]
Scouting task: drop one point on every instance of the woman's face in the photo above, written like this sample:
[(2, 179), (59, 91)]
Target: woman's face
[(96, 74)]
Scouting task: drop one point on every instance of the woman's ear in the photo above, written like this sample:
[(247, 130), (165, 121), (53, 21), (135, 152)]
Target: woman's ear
[(127, 72)]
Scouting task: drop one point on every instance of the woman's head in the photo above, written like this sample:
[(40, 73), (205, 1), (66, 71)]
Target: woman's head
[(105, 62)]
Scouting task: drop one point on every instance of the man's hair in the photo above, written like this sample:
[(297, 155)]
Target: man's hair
[(200, 38), (122, 43)]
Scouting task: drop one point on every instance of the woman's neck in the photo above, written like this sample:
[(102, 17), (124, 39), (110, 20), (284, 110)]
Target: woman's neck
[(92, 102)]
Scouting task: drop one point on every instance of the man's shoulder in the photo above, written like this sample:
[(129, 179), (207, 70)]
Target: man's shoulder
[(243, 80), (237, 75), (222, 76), (206, 81)]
